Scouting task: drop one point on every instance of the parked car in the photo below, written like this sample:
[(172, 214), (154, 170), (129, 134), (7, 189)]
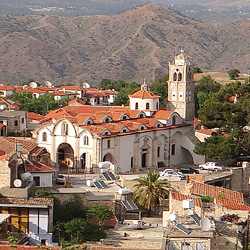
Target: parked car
[(60, 179), (188, 170), (211, 166), (171, 172)]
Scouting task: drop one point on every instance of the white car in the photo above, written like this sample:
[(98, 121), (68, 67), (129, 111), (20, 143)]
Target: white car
[(211, 166), (171, 172)]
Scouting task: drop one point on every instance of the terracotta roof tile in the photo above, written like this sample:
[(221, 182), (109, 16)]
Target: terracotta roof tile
[(209, 190), (71, 88), (34, 116), (59, 93), (2, 125), (38, 167), (144, 94), (76, 101), (230, 204), (6, 88), (181, 197), (10, 103), (196, 122), (163, 114)]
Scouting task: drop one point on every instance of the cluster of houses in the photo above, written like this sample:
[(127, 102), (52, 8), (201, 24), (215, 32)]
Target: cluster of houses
[(133, 139)]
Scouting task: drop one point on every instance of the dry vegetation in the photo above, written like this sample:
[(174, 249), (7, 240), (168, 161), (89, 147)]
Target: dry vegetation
[(220, 77), (133, 45)]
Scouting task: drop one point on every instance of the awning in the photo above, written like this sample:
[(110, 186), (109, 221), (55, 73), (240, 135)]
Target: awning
[(3, 217)]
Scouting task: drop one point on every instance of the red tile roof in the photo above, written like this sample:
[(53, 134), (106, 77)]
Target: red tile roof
[(2, 125), (34, 116), (76, 101), (230, 204), (207, 131), (59, 93), (181, 197), (6, 88), (74, 88), (196, 122), (208, 190), (210, 132), (163, 114), (10, 103), (144, 94), (39, 167), (8, 144)]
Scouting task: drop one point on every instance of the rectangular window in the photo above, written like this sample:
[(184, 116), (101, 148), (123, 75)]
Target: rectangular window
[(108, 143), (16, 123), (22, 120)]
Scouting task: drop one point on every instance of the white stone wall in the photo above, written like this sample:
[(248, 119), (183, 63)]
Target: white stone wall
[(45, 178)]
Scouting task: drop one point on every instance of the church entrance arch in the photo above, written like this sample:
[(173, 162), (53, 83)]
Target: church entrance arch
[(65, 156)]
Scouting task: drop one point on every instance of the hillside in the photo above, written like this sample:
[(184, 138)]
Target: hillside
[(133, 45)]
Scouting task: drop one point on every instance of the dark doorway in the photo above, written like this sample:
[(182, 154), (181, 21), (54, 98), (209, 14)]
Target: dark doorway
[(61, 156), (36, 179), (83, 161)]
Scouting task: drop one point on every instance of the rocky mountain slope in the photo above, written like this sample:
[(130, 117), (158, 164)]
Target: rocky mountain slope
[(133, 45)]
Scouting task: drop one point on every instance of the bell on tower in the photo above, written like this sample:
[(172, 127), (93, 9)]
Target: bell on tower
[(181, 87)]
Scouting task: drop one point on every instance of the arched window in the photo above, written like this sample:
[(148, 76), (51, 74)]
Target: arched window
[(179, 77), (173, 149), (85, 140), (106, 120), (44, 136), (173, 120), (174, 76), (141, 115), (136, 105), (147, 105), (65, 128), (157, 106), (124, 117)]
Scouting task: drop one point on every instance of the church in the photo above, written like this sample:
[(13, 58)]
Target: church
[(135, 138)]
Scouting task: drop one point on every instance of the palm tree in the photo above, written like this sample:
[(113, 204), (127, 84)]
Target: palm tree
[(149, 191)]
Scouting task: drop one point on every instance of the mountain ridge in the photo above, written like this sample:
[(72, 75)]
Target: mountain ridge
[(133, 45)]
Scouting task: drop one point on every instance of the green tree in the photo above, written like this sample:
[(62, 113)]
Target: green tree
[(122, 98), (100, 214), (81, 231), (233, 73), (149, 191), (219, 147), (159, 87)]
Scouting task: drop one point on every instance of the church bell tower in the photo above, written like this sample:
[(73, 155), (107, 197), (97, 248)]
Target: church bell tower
[(181, 88)]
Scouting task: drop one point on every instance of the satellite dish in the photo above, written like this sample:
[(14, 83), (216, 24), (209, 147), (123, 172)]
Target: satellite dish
[(189, 212), (173, 216), (48, 83), (2, 107), (205, 224), (17, 183), (85, 85), (33, 85)]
